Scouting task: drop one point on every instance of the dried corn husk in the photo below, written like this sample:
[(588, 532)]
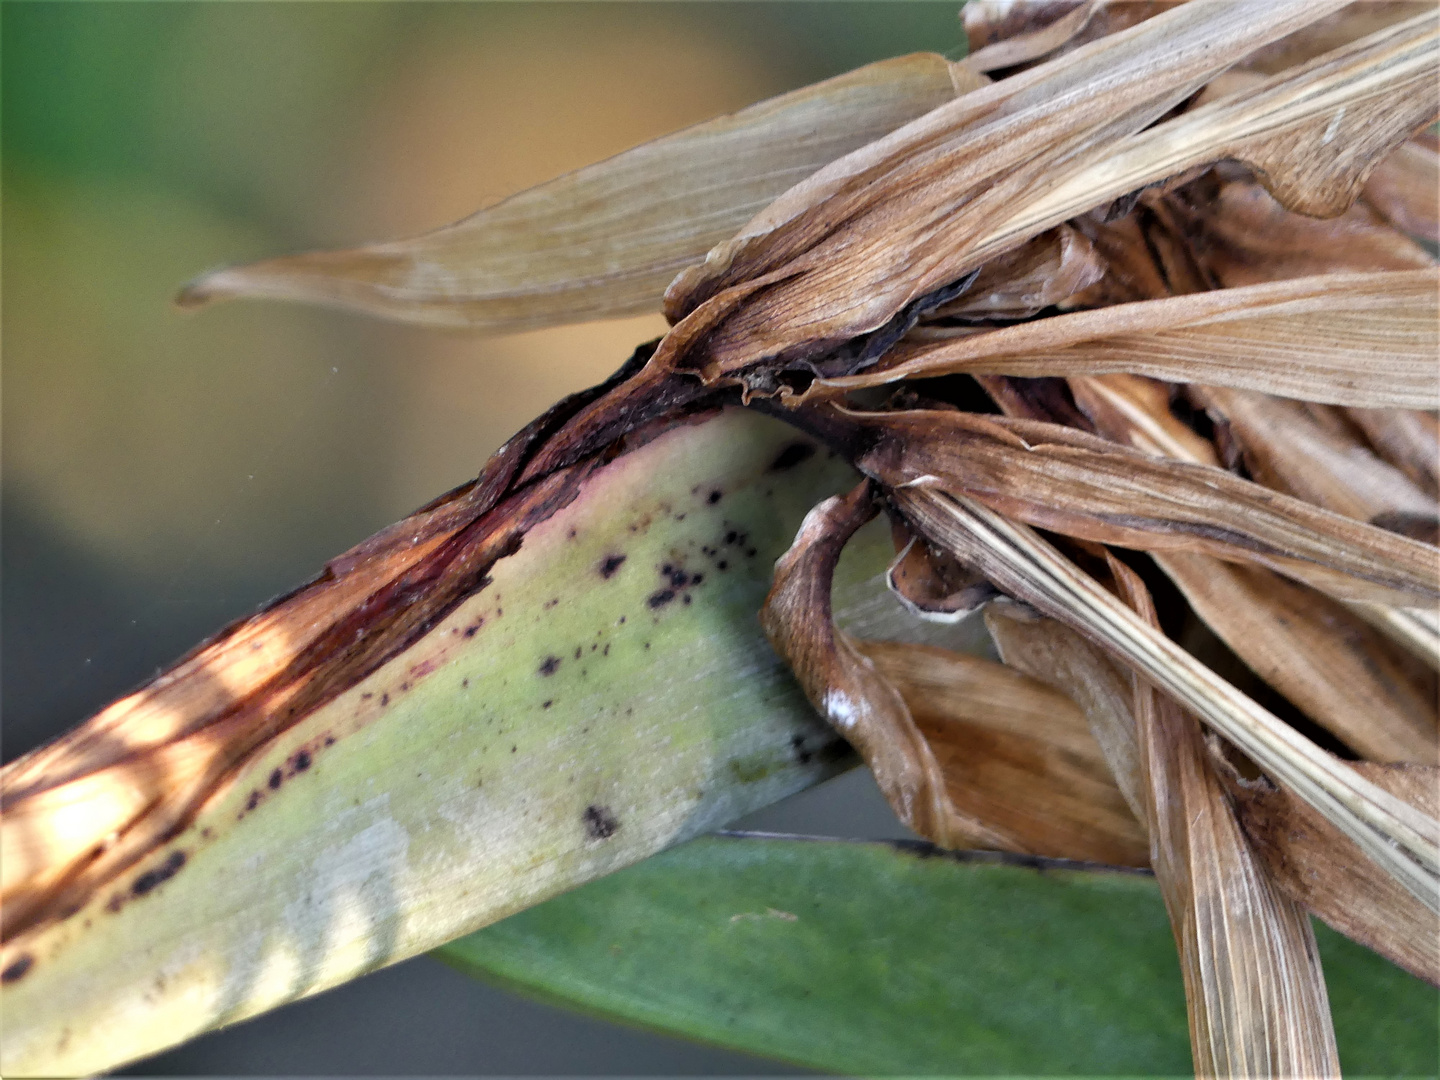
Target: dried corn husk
[(1253, 983), (1354, 339), (604, 241), (1061, 479), (1401, 838)]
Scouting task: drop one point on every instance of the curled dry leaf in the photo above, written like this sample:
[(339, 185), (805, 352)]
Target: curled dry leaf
[(1042, 272), (834, 259), (604, 241), (846, 687), (1016, 755), (1350, 23), (1245, 237), (1311, 134), (964, 750), (932, 585)]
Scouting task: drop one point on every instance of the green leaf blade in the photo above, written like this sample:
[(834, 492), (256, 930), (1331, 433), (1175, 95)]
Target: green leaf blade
[(872, 958)]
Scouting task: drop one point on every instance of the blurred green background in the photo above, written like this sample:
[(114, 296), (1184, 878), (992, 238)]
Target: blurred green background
[(164, 472)]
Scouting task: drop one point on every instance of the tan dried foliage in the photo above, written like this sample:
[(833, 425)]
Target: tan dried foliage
[(1368, 340), (1256, 994), (965, 750), (605, 240), (1058, 478), (1327, 873)]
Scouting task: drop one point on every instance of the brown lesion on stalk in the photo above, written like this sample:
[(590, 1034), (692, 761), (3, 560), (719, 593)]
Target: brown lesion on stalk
[(223, 704)]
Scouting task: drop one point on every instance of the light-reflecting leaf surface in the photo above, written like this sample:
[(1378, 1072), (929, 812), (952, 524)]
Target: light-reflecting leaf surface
[(868, 958)]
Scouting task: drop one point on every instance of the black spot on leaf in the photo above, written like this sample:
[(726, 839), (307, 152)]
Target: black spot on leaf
[(600, 823), (164, 872)]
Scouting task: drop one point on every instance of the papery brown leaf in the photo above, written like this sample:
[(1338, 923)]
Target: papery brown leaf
[(1007, 34), (932, 585), (835, 257), (1136, 411), (1319, 654), (1222, 229), (1011, 34), (1402, 839), (1341, 672), (1407, 439), (1405, 190), (1122, 408), (1357, 339), (1349, 24), (604, 241), (1040, 273), (1253, 983), (1325, 871), (1243, 236), (1290, 448), (1416, 629), (965, 751), (1016, 755), (1312, 134), (1071, 482), (1059, 657)]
